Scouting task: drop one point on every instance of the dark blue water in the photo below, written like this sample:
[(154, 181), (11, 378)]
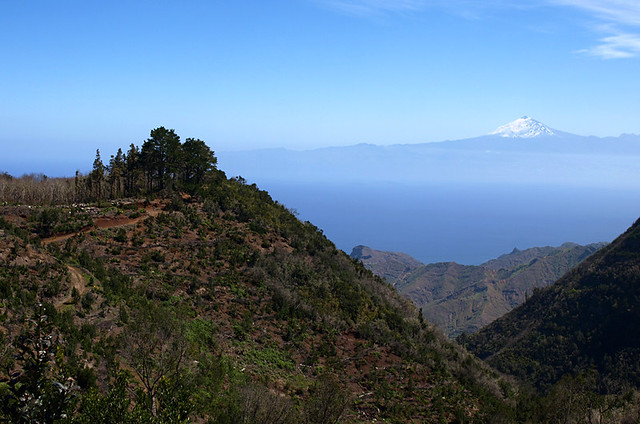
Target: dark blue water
[(468, 224)]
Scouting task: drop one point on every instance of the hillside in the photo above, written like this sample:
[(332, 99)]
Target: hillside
[(464, 298), (585, 323), (217, 306), (393, 267)]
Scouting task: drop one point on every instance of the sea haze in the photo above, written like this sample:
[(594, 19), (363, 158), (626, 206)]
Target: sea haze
[(465, 223), (467, 201)]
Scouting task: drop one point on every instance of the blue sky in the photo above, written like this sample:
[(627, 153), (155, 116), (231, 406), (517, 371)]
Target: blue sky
[(78, 75)]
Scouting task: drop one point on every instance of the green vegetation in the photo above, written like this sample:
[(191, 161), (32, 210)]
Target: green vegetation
[(161, 164), (580, 332), (208, 301), (464, 298)]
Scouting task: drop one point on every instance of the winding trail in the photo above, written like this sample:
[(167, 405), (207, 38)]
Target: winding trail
[(78, 282), (103, 222), (76, 278)]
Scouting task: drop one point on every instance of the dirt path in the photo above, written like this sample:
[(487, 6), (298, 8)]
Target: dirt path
[(77, 281), (103, 222)]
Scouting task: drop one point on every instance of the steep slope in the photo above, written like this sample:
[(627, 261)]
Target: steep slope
[(588, 320), (464, 298), (226, 309), (393, 267)]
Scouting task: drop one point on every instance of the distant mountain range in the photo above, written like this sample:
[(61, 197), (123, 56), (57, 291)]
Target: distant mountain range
[(464, 298), (522, 151), (586, 322)]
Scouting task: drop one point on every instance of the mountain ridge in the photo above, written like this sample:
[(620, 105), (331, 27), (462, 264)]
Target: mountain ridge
[(585, 323), (465, 298)]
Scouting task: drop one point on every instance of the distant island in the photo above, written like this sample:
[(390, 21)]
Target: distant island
[(523, 151)]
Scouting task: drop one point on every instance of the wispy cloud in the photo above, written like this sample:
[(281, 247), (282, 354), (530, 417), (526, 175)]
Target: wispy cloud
[(619, 46), (619, 11), (469, 9), (374, 7), (622, 18), (617, 21)]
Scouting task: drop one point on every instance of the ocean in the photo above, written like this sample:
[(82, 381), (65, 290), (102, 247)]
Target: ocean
[(465, 223)]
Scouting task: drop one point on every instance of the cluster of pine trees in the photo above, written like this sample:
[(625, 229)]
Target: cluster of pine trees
[(162, 163)]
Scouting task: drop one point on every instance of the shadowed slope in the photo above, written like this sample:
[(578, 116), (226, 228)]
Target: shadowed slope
[(587, 320)]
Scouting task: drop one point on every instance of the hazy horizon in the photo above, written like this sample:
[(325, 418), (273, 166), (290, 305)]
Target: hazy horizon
[(464, 223), (242, 75), (21, 164), (301, 75)]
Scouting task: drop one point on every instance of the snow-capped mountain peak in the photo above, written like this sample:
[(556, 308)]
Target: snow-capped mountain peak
[(524, 127)]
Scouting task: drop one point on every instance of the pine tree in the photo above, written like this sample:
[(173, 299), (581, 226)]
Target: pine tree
[(161, 158), (116, 173), (198, 161), (133, 171), (96, 178)]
